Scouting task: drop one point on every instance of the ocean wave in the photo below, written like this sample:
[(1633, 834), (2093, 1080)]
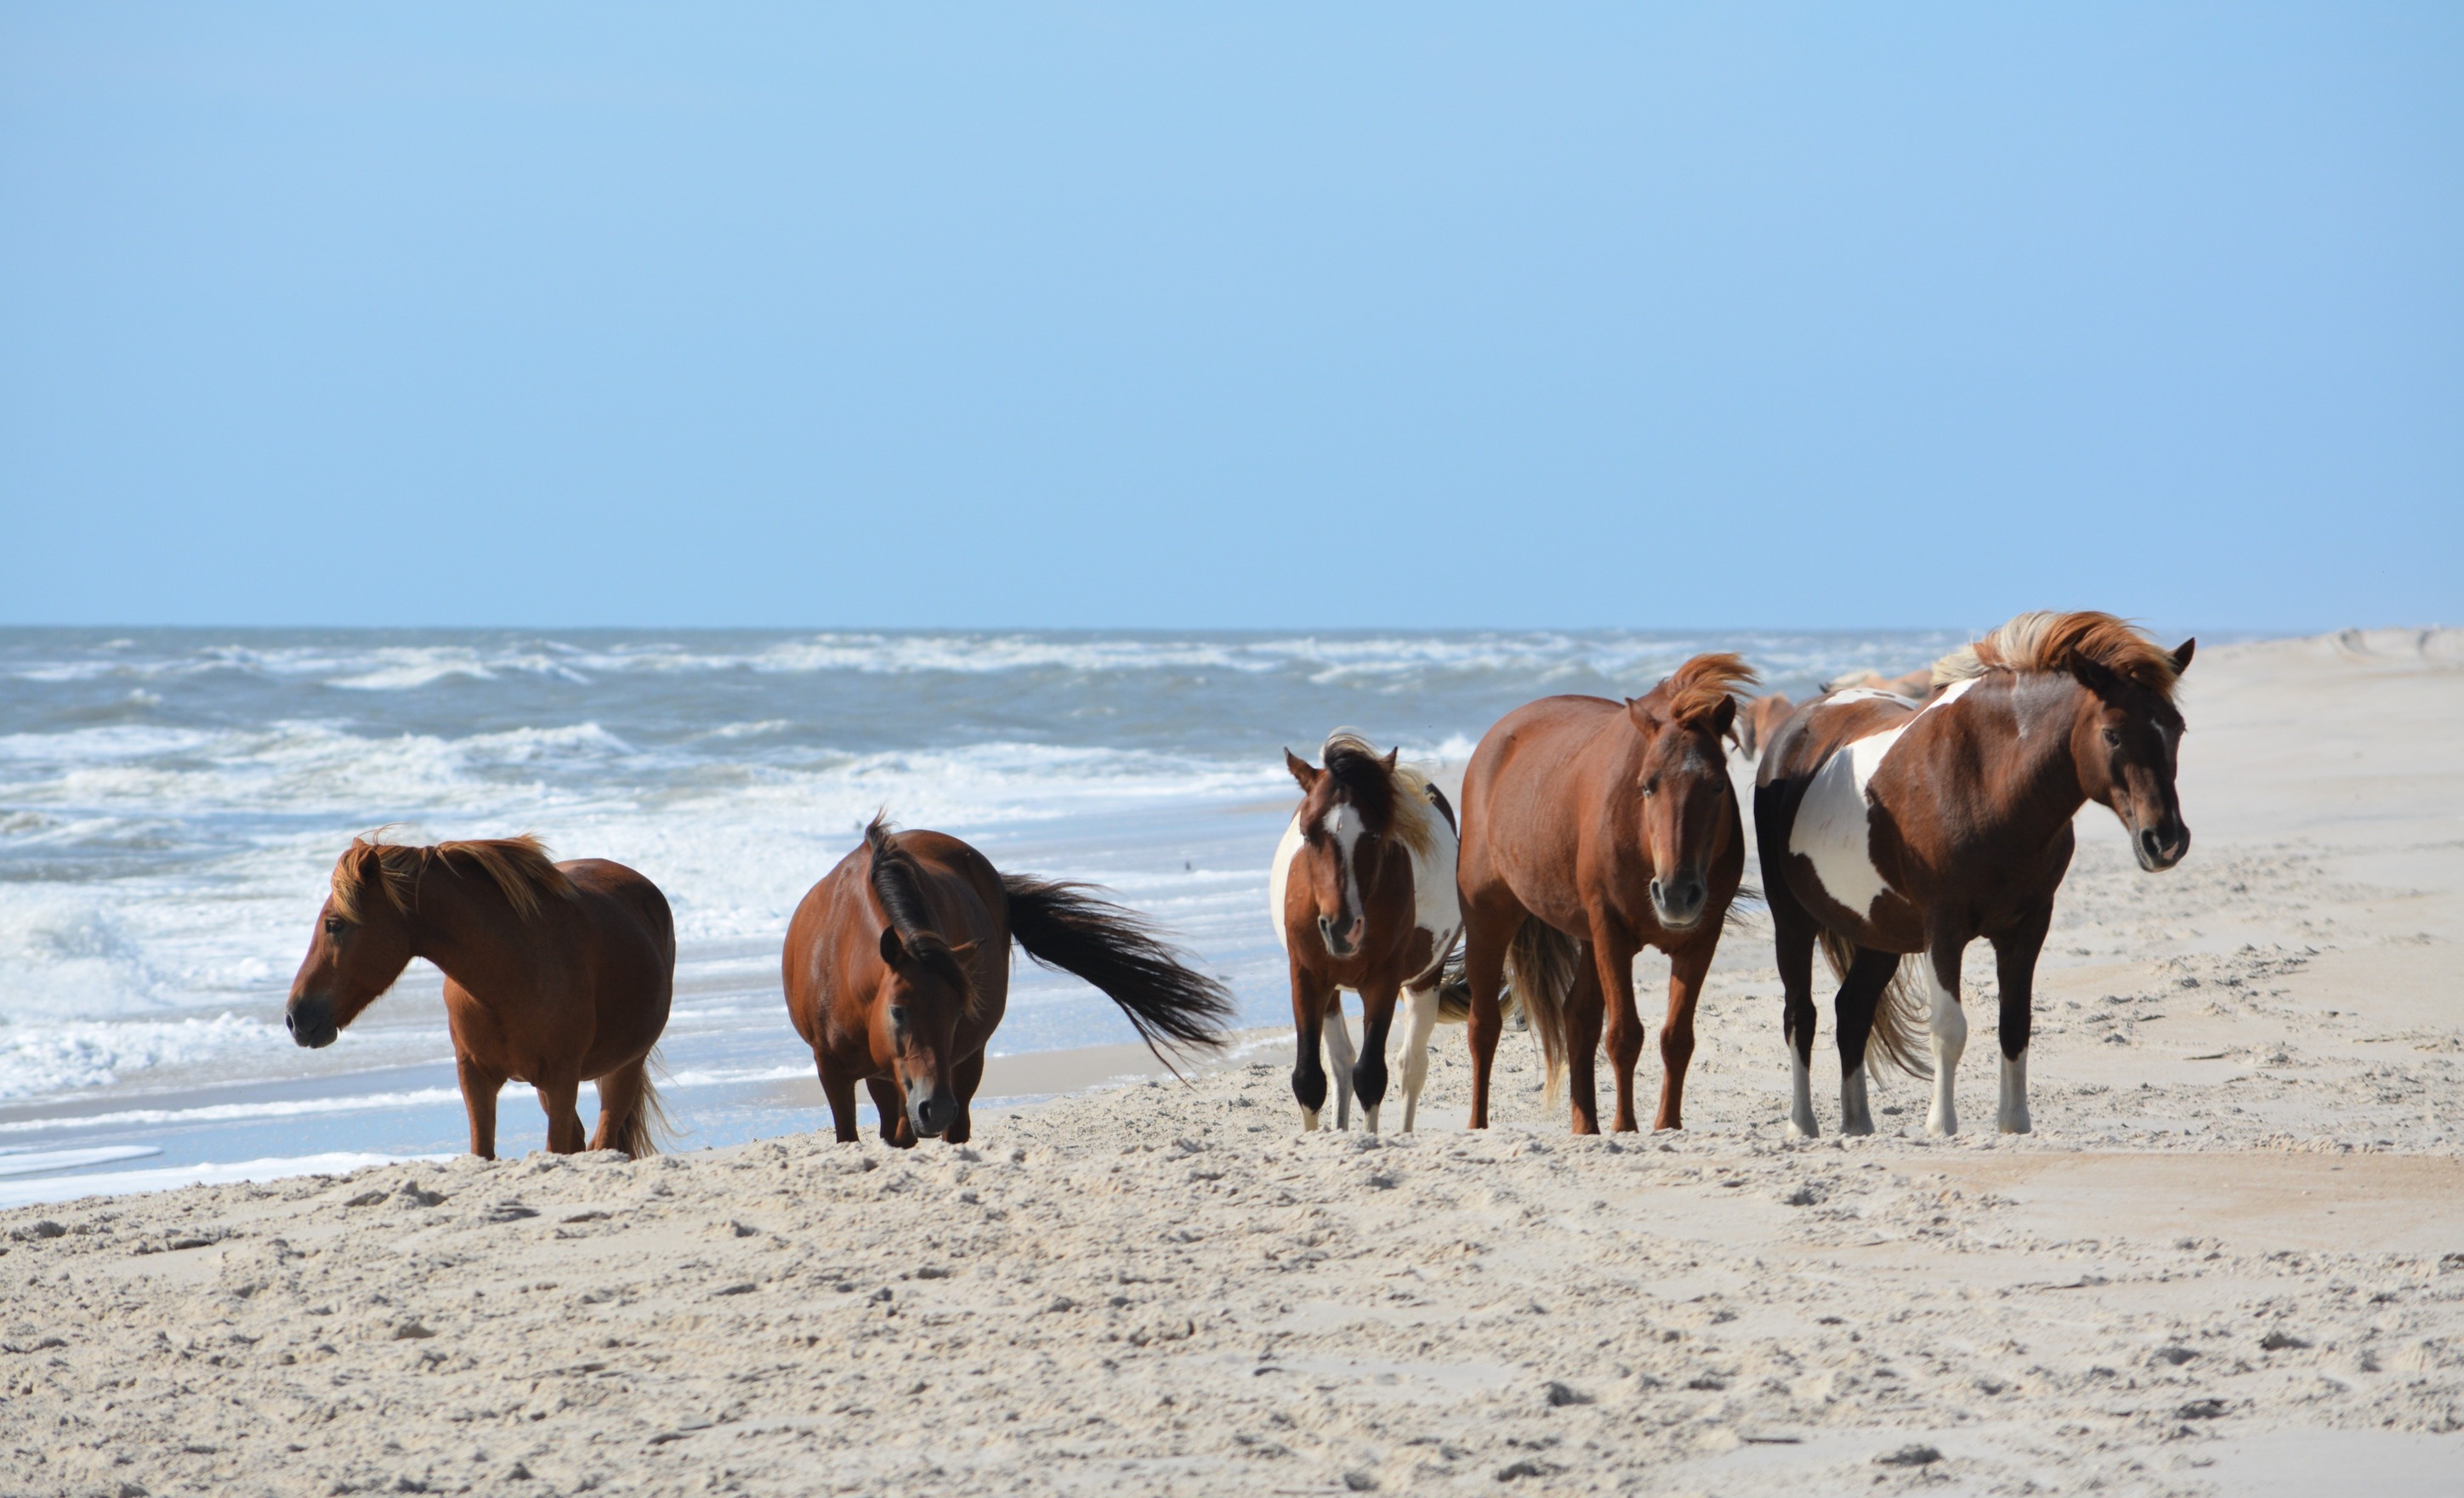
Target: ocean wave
[(44, 1060)]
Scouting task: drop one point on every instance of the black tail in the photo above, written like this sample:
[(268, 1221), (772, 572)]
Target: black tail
[(1065, 925), (1900, 1022)]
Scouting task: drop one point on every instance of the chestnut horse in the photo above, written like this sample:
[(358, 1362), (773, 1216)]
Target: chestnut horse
[(1888, 829), (897, 971), (1591, 829), (1755, 719), (554, 973), (1362, 896)]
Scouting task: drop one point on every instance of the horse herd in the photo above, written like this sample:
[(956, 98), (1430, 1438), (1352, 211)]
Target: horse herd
[(1892, 819)]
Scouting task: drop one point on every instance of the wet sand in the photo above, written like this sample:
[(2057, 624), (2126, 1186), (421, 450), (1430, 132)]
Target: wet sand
[(2230, 1260)]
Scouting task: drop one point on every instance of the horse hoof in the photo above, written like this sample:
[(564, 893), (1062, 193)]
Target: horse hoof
[(2017, 1126), (1805, 1129)]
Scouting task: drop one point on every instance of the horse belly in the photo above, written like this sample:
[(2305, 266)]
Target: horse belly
[(1834, 827), (1279, 881)]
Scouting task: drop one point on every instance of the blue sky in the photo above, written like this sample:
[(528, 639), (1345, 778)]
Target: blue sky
[(1179, 315)]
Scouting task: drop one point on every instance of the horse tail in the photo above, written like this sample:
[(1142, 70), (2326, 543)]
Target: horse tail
[(646, 1126), (1540, 974), (1900, 1012), (1064, 925)]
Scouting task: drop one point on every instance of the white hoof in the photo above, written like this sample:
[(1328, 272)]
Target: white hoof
[(1309, 1120)]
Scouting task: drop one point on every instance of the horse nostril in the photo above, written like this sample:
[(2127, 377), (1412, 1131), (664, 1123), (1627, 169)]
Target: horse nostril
[(2152, 844), (290, 1022)]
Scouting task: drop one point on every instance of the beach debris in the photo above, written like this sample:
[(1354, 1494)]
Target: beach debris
[(1560, 1394), (2277, 1340), (508, 1212), (1804, 1193), (2201, 1409), (410, 1331), (739, 1287), (31, 1231), (1913, 1453), (2175, 1356), (737, 1229), (594, 1215), (1527, 1467), (1360, 1482)]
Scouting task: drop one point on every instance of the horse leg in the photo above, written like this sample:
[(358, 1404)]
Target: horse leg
[(1792, 936), (964, 1078), (620, 1093), (1308, 1015), (891, 1105), (1340, 1059), (1686, 970), (481, 1085), (1583, 1007), (2014, 963), (840, 1090), (1860, 990), (1485, 940), (1369, 1075), (557, 1100), (1948, 1027), (1416, 1048)]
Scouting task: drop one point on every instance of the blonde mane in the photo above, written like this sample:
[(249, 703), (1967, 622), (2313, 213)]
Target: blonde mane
[(2047, 641), (1413, 818), (519, 867)]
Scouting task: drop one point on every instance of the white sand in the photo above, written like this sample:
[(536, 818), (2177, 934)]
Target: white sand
[(2231, 1261)]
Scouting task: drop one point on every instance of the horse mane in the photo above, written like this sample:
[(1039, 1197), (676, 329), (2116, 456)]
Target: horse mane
[(1695, 690), (1393, 801), (519, 867), (898, 883), (2044, 640)]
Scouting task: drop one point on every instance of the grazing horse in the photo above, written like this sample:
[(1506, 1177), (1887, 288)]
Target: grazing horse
[(897, 971), (1889, 829), (1362, 896), (1592, 828), (554, 973)]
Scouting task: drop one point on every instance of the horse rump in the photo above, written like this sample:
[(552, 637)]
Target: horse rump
[(1066, 925), (1900, 1012)]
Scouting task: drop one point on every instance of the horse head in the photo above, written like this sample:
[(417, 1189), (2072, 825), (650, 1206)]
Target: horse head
[(2127, 744), (1688, 806), (915, 1015), (361, 945), (1345, 819)]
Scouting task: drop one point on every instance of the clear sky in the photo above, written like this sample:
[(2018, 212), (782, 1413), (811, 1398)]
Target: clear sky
[(1230, 315)]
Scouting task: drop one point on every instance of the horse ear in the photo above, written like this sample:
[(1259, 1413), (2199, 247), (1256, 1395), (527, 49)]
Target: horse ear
[(2182, 655), (2095, 675), (1302, 770), (1724, 716), (1639, 710), (965, 952), (1393, 755), (892, 950)]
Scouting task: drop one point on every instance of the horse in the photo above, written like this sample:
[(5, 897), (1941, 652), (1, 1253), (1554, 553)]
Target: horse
[(1755, 721), (554, 973), (1592, 828), (897, 971), (1887, 828), (1362, 897), (1915, 685)]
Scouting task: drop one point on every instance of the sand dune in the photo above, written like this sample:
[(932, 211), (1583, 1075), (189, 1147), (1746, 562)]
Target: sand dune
[(2230, 1261)]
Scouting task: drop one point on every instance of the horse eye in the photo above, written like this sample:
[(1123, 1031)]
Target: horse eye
[(1651, 786), (332, 925), (897, 1014), (2113, 736)]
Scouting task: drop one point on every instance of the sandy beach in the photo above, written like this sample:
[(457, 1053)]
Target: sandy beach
[(2230, 1261)]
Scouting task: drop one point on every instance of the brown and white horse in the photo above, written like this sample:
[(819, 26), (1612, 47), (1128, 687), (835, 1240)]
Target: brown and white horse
[(1886, 828), (1592, 828), (554, 974), (1362, 894), (898, 973)]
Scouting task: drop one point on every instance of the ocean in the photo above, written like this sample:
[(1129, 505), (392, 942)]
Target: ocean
[(171, 803)]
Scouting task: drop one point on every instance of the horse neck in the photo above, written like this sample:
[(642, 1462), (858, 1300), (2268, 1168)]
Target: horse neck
[(462, 922), (2044, 788)]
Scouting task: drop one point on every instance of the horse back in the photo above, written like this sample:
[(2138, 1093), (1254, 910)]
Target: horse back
[(629, 950)]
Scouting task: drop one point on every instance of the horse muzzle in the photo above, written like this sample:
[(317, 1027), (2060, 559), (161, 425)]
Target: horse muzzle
[(932, 1114), (311, 1023), (1344, 943), (1678, 903), (2161, 847)]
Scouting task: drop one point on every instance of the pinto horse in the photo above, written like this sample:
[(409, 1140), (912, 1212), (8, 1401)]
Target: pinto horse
[(897, 971), (554, 973), (1592, 828), (1362, 896), (1888, 829)]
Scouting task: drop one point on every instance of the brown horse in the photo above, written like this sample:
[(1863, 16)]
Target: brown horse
[(897, 971), (1755, 721), (554, 973), (1887, 829), (1362, 894), (1592, 829)]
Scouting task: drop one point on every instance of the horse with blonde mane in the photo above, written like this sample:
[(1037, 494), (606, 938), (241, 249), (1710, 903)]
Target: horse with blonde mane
[(554, 974), (1592, 829), (1362, 897), (1889, 827), (898, 973)]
